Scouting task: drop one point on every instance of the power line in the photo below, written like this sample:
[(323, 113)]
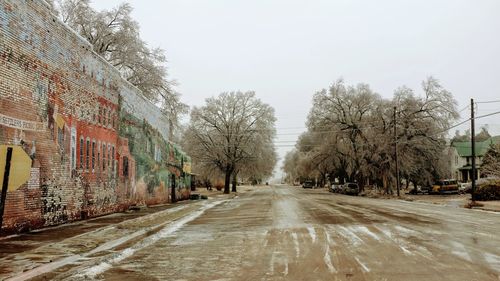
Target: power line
[(486, 115), (400, 142), (463, 109), (282, 144), (490, 101)]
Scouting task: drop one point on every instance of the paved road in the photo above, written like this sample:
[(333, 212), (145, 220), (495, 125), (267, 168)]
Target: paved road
[(287, 233)]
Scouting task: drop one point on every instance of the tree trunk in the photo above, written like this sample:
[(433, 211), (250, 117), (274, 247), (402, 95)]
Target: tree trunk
[(235, 182), (386, 186), (227, 180)]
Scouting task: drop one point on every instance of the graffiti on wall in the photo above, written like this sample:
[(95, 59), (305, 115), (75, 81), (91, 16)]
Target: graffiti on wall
[(97, 145)]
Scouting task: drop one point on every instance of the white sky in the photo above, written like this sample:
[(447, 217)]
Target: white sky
[(286, 50)]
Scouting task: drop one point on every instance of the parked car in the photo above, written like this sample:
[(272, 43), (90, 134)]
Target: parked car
[(445, 186), (464, 187), (335, 188), (351, 188), (308, 184), (421, 190)]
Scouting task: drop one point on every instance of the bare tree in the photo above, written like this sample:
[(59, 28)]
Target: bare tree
[(290, 166), (259, 167), (346, 112), (229, 131), (351, 135), (114, 35)]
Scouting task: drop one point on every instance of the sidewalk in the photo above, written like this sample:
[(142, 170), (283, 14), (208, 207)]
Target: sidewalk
[(493, 206), (24, 252), (451, 200), (47, 250), (455, 200)]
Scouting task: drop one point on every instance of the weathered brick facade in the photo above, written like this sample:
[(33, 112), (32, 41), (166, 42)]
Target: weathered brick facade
[(97, 144)]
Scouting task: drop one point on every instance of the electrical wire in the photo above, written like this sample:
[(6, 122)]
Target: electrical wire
[(490, 101), (486, 115)]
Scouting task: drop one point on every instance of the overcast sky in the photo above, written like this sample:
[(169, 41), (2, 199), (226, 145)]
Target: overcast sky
[(286, 50)]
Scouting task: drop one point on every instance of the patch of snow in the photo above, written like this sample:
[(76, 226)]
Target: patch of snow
[(493, 260), (328, 259), (385, 231), (45, 268), (365, 268), (280, 259), (405, 231), (296, 243), (168, 230), (328, 238), (459, 250), (328, 262), (424, 252), (349, 235), (365, 230), (286, 214), (312, 233), (406, 251)]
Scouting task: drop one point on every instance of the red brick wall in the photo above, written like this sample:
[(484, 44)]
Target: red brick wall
[(54, 91)]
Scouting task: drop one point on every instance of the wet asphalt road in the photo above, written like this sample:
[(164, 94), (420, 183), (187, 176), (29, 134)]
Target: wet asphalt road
[(287, 233)]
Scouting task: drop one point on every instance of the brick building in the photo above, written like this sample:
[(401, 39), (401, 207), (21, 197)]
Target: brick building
[(97, 144)]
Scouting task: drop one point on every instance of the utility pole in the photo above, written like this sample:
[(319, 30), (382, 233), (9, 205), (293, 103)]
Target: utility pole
[(396, 151), (473, 150)]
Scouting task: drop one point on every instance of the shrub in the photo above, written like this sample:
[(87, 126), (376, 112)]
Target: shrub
[(489, 190)]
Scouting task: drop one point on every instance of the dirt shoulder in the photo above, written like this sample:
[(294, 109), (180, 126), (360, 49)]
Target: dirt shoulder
[(451, 200)]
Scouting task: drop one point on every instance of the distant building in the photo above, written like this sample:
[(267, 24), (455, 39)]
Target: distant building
[(460, 154)]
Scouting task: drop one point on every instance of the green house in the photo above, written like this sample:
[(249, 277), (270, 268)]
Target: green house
[(461, 158)]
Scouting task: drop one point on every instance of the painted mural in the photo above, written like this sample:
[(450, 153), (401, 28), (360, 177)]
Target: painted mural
[(97, 145)]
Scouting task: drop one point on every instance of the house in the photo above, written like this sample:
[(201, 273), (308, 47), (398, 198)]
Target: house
[(460, 154)]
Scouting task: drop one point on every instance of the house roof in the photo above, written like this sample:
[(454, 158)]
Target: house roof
[(464, 149)]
